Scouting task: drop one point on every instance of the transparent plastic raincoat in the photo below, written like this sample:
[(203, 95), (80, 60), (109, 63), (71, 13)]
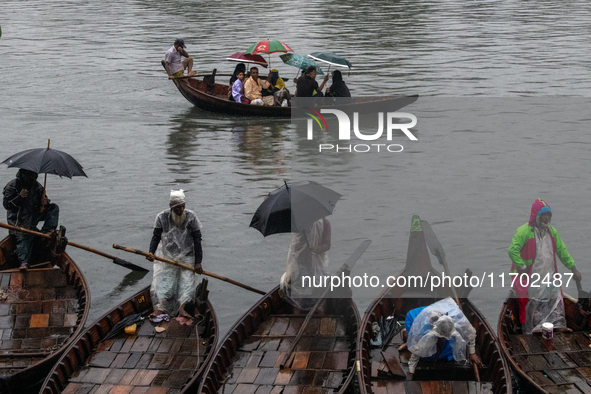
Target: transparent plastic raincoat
[(546, 304), (443, 319), (172, 285), (302, 261)]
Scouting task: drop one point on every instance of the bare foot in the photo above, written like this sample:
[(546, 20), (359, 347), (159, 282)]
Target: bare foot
[(192, 73), (183, 313), (157, 312), (563, 329)]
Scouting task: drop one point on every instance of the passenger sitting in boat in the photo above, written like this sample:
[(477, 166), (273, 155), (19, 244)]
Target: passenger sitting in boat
[(177, 236), (277, 89), (172, 60), (339, 87), (533, 251), (307, 256), (253, 87), (439, 331), (26, 205), (238, 90), (240, 67), (307, 85)]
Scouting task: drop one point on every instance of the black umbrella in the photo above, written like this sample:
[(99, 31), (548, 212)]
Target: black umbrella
[(46, 161), (294, 207)]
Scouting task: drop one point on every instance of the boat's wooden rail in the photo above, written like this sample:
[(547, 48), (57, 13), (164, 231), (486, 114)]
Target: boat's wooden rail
[(562, 364), (44, 311), (125, 362), (429, 377)]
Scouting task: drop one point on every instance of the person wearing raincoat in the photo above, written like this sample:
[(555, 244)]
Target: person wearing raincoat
[(26, 205), (440, 331), (533, 251), (307, 256), (177, 236)]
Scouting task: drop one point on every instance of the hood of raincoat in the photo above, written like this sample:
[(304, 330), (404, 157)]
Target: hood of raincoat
[(538, 207)]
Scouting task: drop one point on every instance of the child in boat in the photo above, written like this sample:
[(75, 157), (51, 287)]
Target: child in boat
[(238, 89)]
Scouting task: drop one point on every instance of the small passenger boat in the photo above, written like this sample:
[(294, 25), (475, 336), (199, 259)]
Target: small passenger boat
[(210, 96), (251, 356), (376, 372), (42, 310), (558, 365), (165, 357)]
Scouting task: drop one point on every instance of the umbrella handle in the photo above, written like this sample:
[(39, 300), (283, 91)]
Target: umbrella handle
[(44, 184)]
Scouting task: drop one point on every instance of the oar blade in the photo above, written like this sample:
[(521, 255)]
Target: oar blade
[(128, 265), (357, 254), (432, 241)]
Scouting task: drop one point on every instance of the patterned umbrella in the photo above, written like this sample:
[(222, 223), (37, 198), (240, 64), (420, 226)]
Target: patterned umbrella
[(300, 61), (268, 47)]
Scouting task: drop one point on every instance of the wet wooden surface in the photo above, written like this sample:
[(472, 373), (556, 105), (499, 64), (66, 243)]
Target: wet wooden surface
[(39, 314), (321, 360), (148, 362), (383, 381), (559, 365)]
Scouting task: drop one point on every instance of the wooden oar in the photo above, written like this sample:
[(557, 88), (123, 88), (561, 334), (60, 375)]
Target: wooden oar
[(188, 267), (116, 260), (346, 267), (436, 248)]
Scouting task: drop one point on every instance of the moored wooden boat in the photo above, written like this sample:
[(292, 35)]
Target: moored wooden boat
[(170, 361), (210, 96), (374, 374), (559, 365), (41, 312), (248, 360)]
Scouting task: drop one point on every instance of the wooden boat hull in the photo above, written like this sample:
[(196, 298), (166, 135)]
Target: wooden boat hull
[(164, 362), (442, 377), (249, 358), (561, 364), (45, 310), (213, 97)]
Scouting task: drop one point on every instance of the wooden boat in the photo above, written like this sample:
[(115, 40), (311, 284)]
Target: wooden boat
[(170, 361), (559, 365), (374, 374), (210, 96), (41, 312), (250, 357)]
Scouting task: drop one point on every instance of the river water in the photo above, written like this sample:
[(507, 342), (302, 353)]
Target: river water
[(87, 75)]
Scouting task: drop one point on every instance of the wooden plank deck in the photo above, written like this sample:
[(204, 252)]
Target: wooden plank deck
[(559, 365), (38, 316), (148, 362), (320, 361)]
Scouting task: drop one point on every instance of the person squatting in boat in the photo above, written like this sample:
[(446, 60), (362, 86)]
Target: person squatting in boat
[(439, 331)]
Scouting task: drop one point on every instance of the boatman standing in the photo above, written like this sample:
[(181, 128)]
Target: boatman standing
[(533, 251), (175, 67), (177, 236)]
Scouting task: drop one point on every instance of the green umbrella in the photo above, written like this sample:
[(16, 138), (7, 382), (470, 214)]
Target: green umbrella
[(300, 61), (331, 58)]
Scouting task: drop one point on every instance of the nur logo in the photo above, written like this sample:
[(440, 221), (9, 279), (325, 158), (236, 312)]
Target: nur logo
[(390, 119)]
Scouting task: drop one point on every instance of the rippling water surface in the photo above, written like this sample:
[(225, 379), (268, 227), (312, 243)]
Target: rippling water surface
[(87, 75)]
